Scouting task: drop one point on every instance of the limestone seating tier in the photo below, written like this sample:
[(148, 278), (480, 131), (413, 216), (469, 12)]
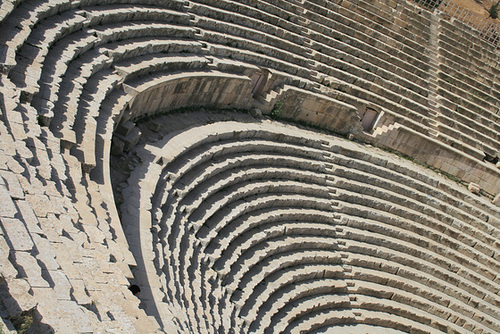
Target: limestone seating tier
[(241, 263), (222, 224), (323, 70)]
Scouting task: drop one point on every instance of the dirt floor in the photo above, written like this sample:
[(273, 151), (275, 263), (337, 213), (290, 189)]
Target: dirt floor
[(480, 7)]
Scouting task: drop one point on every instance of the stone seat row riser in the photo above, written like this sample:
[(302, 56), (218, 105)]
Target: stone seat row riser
[(458, 74), (242, 289), (55, 28), (236, 160), (302, 301), (230, 34), (403, 174), (366, 268), (248, 208), (366, 173), (359, 19), (467, 136), (459, 96), (458, 51), (467, 235), (380, 208), (232, 158), (242, 224), (455, 100), (263, 299), (467, 114), (359, 223), (479, 130), (194, 199), (465, 35), (33, 14), (244, 26), (441, 292), (388, 73), (327, 35), (237, 191), (368, 78), (485, 306), (381, 16), (253, 18), (268, 206), (454, 64), (274, 265), (356, 30), (242, 148), (467, 91), (296, 143), (464, 77), (329, 319), (488, 293)]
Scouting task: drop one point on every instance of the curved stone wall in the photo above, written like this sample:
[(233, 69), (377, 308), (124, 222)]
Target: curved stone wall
[(236, 223)]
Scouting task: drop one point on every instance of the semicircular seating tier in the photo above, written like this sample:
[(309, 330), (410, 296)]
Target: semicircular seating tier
[(257, 227), (244, 212)]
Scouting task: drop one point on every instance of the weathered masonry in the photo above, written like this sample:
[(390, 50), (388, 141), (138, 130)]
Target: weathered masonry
[(240, 162)]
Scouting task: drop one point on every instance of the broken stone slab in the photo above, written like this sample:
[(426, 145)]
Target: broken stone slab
[(17, 234), (7, 206), (30, 269), (13, 185), (474, 188)]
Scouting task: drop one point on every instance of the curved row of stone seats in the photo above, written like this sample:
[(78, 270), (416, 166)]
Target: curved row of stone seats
[(387, 31), (74, 20), (441, 192), (451, 69), (356, 210), (352, 76), (469, 40), (434, 208), (486, 124), (68, 279), (482, 289), (296, 281), (256, 283), (29, 13), (443, 217), (54, 28), (458, 233), (410, 281), (224, 215), (330, 15), (343, 75), (481, 133), (461, 48)]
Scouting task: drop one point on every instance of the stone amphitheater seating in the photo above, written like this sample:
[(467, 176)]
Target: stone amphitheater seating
[(233, 223)]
